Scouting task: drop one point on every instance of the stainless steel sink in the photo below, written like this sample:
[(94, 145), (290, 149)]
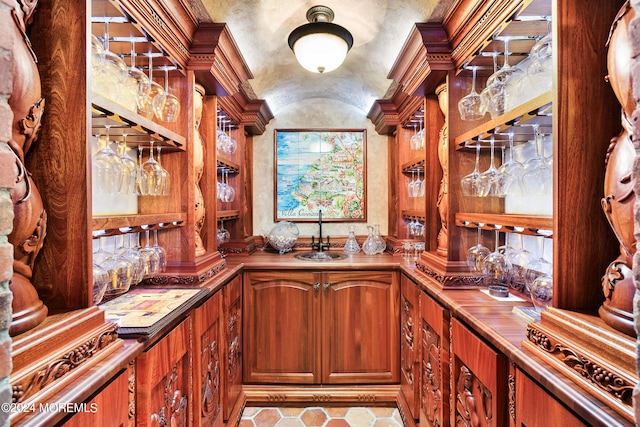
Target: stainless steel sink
[(320, 256)]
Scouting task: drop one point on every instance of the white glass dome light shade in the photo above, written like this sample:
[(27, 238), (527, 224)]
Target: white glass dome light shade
[(320, 46)]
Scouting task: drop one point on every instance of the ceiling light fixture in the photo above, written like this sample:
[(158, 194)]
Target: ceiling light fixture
[(320, 46)]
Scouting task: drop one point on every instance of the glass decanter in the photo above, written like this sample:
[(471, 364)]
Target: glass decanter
[(382, 246), (370, 246), (351, 246)]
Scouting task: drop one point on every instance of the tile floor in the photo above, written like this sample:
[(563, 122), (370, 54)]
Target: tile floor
[(321, 417)]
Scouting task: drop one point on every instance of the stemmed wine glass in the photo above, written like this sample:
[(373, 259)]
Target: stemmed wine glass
[(509, 174), (160, 251), (223, 235), (164, 182), (520, 259), (142, 181), (147, 100), (134, 258), (166, 106), (496, 266), (537, 178), (538, 267), (101, 280), (497, 82), (111, 70), (476, 254), (488, 180), (129, 170), (152, 173), (485, 94), (470, 106), (107, 167), (469, 182), (150, 258), (122, 273), (136, 85)]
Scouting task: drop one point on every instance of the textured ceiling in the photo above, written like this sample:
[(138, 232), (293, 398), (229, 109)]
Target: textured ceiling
[(379, 28)]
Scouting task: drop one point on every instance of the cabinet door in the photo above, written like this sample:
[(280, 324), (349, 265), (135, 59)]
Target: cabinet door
[(162, 380), (360, 327), (232, 324), (535, 407), (435, 369), (479, 380), (282, 327), (207, 365), (109, 408), (410, 344)]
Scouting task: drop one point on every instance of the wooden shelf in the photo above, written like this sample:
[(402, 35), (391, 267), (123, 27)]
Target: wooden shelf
[(227, 215), (413, 166), (227, 165), (519, 120), (138, 129), (511, 223), (413, 214), (113, 225)]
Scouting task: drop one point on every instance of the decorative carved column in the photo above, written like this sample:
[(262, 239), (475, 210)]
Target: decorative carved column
[(198, 164), (617, 282), (443, 158), (30, 218)]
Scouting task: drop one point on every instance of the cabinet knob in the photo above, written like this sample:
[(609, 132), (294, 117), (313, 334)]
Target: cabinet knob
[(316, 286), (326, 285)]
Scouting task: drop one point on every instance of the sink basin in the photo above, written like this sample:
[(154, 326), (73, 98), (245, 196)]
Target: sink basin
[(320, 256)]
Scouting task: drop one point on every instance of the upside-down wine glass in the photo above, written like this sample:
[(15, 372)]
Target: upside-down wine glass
[(165, 178), (497, 82), (509, 174), (142, 182), (496, 266), (488, 180), (469, 182), (539, 267), (166, 107), (520, 259), (470, 106), (129, 170), (107, 167), (152, 173), (162, 254), (136, 84), (476, 254), (150, 258), (147, 105)]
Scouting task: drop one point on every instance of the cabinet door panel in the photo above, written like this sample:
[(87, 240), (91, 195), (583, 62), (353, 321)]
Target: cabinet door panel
[(410, 344), (232, 324), (281, 327), (435, 369), (207, 363), (162, 380), (479, 380), (360, 328), (535, 407)]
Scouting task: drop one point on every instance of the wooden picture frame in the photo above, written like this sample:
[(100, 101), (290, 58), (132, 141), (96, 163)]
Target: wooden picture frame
[(320, 169)]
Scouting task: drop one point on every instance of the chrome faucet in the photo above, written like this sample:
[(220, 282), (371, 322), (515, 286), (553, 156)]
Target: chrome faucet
[(320, 246)]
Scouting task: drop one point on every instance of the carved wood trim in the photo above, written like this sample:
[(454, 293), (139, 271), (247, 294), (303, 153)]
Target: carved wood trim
[(265, 394), (188, 279), (431, 396), (56, 368), (132, 393), (211, 399), (449, 281), (175, 403), (173, 22), (471, 24), (597, 377), (473, 400)]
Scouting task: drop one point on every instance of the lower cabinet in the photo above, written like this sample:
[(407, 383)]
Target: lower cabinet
[(163, 396), (434, 363), (410, 345), (208, 362), (334, 327), (536, 408), (479, 380), (232, 325), (109, 408)]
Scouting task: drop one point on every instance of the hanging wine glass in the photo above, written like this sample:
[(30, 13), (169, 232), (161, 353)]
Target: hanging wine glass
[(107, 167), (101, 280), (539, 267), (497, 82), (122, 274), (542, 292), (496, 266), (111, 72), (520, 259), (470, 106), (476, 254), (162, 254), (488, 180), (136, 84), (230, 192), (470, 181), (510, 174), (134, 257), (164, 177), (223, 235), (150, 258), (166, 107), (130, 168), (142, 181), (413, 141), (146, 101), (537, 176), (485, 94), (152, 173)]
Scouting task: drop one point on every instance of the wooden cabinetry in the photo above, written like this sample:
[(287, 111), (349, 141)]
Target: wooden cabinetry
[(321, 328), (479, 382), (434, 363), (535, 407), (410, 344), (109, 408), (232, 363), (208, 362), (163, 384)]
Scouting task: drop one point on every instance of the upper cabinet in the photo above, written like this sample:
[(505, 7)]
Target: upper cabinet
[(558, 213), (113, 163)]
